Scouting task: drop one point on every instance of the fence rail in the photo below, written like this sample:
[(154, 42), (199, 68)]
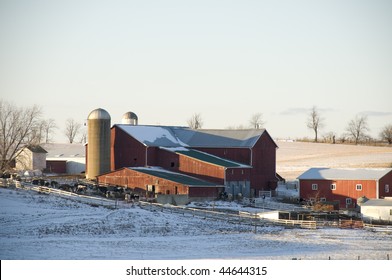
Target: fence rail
[(380, 228), (95, 201)]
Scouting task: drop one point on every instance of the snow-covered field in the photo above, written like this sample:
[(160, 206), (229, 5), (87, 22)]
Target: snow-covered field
[(294, 158), (36, 226)]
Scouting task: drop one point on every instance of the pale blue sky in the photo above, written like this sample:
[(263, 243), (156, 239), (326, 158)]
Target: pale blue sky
[(165, 60)]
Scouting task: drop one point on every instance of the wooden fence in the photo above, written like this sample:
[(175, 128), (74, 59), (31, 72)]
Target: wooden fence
[(91, 200), (378, 228)]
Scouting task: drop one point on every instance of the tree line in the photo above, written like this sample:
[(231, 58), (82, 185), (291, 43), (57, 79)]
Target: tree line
[(356, 130)]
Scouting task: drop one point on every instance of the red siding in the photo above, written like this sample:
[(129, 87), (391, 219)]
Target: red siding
[(386, 180), (138, 182), (202, 170), (238, 174), (56, 166), (344, 189), (166, 159), (262, 158), (126, 151), (241, 155), (263, 174)]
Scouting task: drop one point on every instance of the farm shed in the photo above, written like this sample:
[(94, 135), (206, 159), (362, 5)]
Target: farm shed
[(32, 157), (345, 186), (378, 210), (153, 181), (243, 160), (65, 158)]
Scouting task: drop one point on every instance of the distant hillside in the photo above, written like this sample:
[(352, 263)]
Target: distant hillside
[(293, 158)]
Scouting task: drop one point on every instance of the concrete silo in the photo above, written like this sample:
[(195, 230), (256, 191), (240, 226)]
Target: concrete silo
[(130, 118), (98, 147)]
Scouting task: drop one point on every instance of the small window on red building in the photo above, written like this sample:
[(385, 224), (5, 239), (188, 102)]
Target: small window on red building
[(349, 201), (386, 188), (358, 187), (314, 187), (333, 187)]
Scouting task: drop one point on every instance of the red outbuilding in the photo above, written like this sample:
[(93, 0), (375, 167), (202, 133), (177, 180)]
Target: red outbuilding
[(345, 186)]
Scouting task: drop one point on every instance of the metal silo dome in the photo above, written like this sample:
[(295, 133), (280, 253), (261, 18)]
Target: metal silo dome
[(130, 118), (100, 114)]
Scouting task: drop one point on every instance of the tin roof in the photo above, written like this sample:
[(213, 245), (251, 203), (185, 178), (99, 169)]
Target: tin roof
[(220, 138), (344, 174), (60, 150), (175, 136), (173, 176), (36, 149), (198, 155), (378, 202)]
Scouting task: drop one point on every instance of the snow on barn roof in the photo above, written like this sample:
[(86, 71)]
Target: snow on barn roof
[(173, 176), (152, 135), (60, 150), (344, 174), (174, 136), (206, 157)]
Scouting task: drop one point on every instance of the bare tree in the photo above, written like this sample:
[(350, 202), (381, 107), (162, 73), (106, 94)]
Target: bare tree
[(256, 121), (48, 126), (386, 134), (16, 130), (315, 122), (195, 122), (357, 128), (37, 133), (72, 129)]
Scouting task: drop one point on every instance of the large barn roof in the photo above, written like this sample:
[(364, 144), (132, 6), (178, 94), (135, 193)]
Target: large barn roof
[(173, 176), (174, 136), (344, 174), (207, 157)]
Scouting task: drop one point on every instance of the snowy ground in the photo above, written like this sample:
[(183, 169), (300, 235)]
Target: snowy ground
[(35, 226), (294, 158)]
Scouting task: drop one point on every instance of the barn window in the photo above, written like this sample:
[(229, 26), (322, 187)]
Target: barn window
[(172, 164), (314, 187), (333, 187), (349, 201), (358, 187), (387, 188), (323, 199), (242, 172)]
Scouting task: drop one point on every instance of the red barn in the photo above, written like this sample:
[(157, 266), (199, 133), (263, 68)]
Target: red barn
[(244, 161), (345, 186), (158, 181)]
